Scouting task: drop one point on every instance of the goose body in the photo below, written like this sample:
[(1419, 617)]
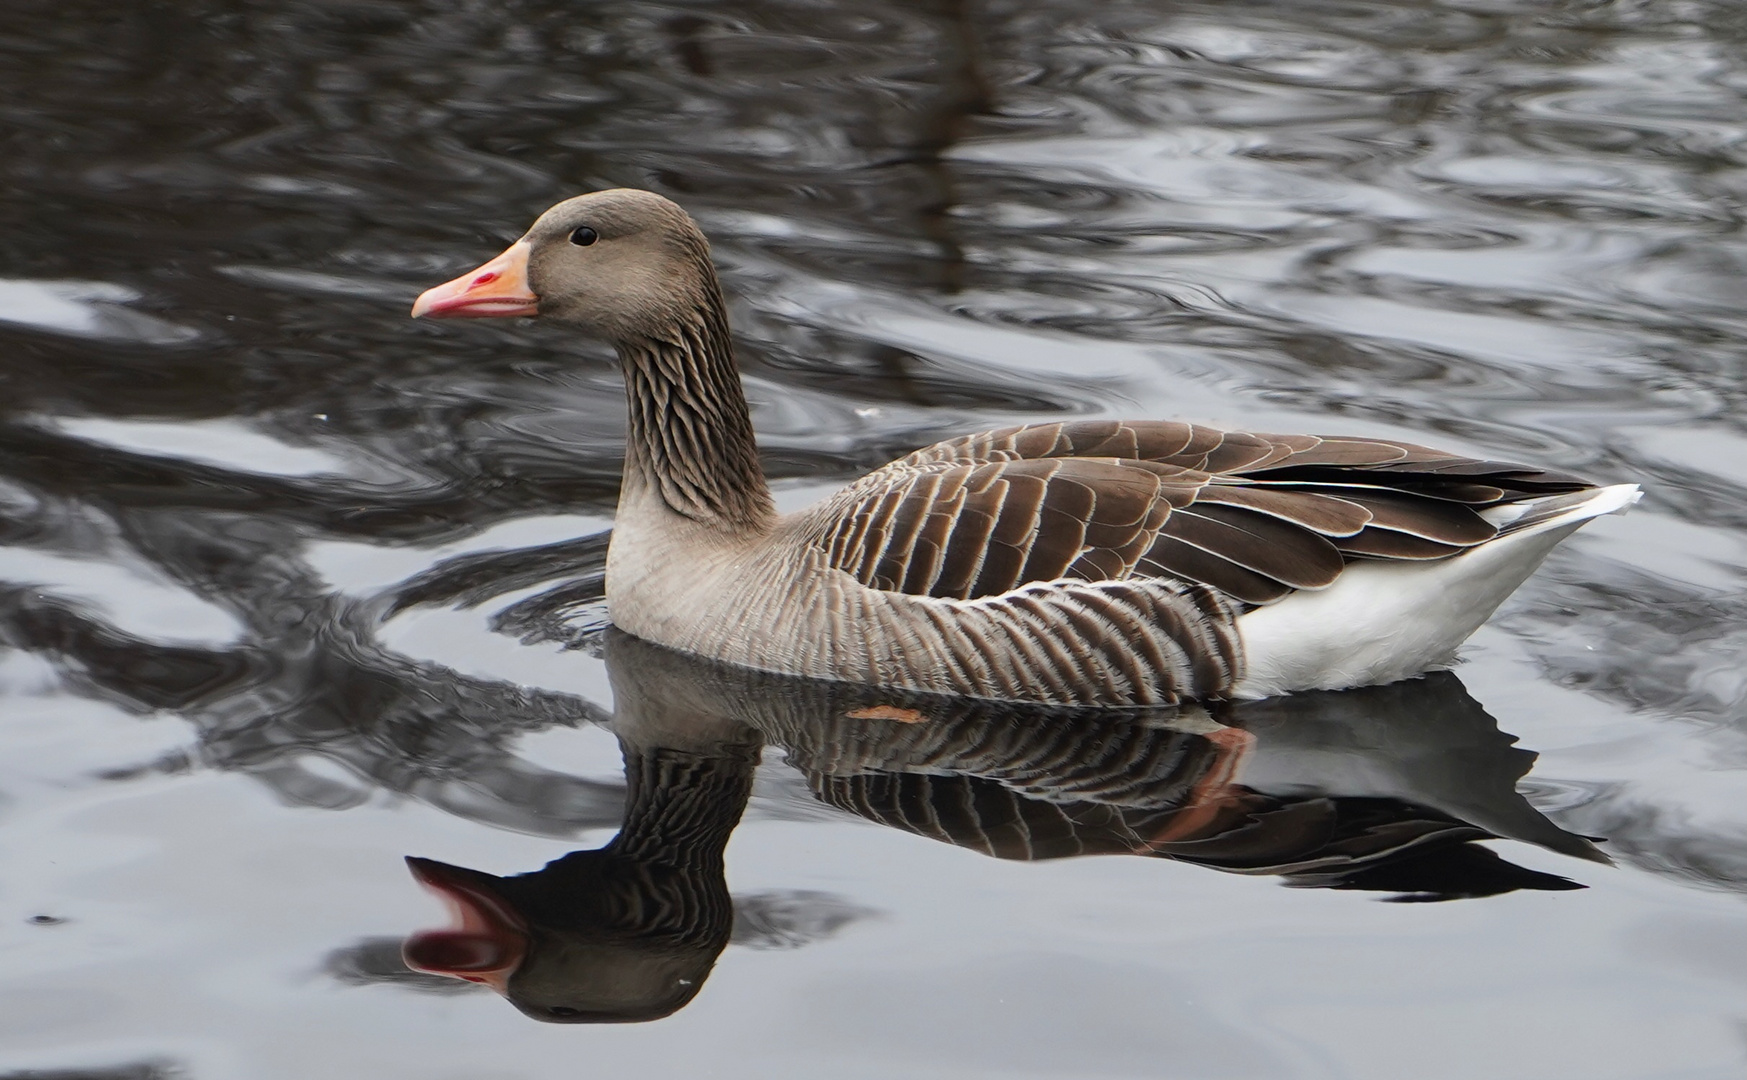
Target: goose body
[(1096, 563)]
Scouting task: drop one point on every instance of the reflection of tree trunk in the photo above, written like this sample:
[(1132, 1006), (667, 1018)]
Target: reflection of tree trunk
[(688, 46), (962, 94)]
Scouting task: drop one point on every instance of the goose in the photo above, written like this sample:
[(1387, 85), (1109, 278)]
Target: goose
[(1080, 562)]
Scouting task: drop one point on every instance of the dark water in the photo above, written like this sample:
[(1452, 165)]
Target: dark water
[(292, 587)]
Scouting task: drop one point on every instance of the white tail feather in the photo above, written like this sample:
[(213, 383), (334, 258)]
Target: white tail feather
[(1383, 621)]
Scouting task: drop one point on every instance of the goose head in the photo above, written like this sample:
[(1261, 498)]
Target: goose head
[(576, 943), (621, 264)]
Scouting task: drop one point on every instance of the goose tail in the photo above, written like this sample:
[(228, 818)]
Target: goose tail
[(1552, 511), (1382, 621)]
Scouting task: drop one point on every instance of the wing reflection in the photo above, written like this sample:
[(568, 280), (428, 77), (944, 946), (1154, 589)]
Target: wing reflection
[(1383, 788)]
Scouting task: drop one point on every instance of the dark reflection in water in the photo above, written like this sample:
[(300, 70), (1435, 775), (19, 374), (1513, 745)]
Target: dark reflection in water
[(145, 1070), (1385, 788), (326, 691)]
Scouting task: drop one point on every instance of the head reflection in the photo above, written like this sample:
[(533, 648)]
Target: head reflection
[(1385, 789), (625, 933)]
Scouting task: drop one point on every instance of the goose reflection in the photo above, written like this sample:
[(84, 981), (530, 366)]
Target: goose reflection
[(1382, 788)]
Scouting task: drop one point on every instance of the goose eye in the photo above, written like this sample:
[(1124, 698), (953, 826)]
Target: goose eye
[(584, 236)]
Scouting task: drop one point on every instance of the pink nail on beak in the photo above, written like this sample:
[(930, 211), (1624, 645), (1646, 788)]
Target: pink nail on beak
[(495, 290)]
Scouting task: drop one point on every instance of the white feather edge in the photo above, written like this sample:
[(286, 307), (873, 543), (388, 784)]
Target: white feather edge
[(1383, 621)]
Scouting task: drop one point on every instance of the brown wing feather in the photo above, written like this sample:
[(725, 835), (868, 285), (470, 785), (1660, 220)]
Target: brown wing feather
[(963, 531), (1328, 515), (1275, 549), (1192, 446), (1170, 557), (1255, 516)]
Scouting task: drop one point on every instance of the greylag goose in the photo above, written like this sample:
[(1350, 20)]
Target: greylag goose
[(1087, 562)]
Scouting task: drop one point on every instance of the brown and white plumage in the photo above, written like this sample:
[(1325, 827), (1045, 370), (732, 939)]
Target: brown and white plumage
[(1254, 516), (1088, 562)]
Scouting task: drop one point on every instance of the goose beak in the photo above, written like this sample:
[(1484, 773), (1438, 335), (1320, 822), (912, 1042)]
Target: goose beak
[(490, 938), (497, 289)]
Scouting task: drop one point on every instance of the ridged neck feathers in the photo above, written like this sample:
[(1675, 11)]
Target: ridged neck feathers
[(690, 435)]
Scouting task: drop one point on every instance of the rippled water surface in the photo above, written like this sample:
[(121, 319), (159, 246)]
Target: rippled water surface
[(292, 587)]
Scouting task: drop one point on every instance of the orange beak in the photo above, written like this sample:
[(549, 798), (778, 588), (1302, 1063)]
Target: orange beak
[(499, 288)]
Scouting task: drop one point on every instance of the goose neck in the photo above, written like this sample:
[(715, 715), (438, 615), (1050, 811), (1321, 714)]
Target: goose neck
[(690, 438), (680, 807)]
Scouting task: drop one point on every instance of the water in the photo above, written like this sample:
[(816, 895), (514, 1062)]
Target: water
[(283, 571)]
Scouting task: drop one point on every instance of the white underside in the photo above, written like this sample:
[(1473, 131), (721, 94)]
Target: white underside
[(1383, 621)]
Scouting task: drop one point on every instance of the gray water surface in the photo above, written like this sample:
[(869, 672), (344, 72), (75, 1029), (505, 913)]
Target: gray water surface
[(292, 587)]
